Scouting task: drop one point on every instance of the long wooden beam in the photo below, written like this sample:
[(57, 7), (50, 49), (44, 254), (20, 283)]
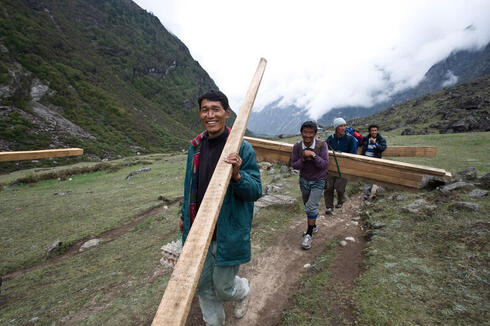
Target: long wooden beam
[(177, 299), (408, 151), (32, 155), (357, 167)]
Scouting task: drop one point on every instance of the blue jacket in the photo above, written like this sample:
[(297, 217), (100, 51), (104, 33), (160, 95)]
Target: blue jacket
[(379, 146), (346, 144), (235, 218)]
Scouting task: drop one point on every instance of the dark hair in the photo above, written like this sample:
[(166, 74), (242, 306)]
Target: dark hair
[(372, 126), (215, 96), (309, 124)]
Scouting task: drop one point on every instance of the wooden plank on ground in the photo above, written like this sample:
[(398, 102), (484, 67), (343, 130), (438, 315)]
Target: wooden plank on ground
[(32, 155), (357, 167), (177, 299), (408, 151)]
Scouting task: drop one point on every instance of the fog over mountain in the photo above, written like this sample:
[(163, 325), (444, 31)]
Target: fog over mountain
[(323, 54), (458, 67)]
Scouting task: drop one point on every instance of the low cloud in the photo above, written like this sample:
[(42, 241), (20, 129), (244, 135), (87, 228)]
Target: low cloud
[(322, 54)]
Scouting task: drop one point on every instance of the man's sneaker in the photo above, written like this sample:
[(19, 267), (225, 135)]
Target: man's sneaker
[(366, 197), (241, 306), (339, 205), (306, 244), (329, 211)]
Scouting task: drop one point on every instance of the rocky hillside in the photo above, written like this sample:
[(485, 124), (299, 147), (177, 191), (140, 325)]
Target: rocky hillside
[(462, 108), (102, 75)]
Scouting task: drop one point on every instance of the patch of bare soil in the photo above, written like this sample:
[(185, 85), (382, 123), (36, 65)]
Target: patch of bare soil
[(274, 274)]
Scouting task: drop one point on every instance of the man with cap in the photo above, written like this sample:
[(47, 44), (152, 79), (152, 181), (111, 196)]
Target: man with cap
[(339, 141), (310, 157)]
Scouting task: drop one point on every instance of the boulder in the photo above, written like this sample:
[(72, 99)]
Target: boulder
[(485, 180), (275, 200), (54, 247), (417, 206), (466, 175), (466, 206), (89, 244), (478, 193), (457, 185)]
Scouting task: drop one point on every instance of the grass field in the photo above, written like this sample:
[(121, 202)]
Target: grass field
[(419, 271)]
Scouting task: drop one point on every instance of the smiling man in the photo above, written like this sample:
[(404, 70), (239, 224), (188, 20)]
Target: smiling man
[(310, 157), (230, 245)]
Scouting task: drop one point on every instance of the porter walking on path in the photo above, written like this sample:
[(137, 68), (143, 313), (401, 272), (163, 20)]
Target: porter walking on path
[(230, 245), (339, 142), (310, 157), (373, 145)]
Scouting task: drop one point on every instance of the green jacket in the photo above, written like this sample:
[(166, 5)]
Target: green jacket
[(235, 218)]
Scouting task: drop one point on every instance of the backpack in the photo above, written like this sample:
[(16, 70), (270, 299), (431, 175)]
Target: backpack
[(356, 134)]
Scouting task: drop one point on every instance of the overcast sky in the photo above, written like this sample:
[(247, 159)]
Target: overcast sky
[(322, 54)]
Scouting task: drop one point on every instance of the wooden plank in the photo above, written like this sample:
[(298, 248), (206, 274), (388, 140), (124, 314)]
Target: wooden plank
[(357, 167), (408, 151), (180, 290), (32, 155)]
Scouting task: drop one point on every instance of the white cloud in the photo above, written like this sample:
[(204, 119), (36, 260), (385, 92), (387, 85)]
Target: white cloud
[(322, 54)]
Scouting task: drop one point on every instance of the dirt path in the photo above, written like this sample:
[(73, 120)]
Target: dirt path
[(275, 273), (108, 236)]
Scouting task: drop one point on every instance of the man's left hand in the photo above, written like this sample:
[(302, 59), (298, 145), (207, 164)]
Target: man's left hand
[(235, 160)]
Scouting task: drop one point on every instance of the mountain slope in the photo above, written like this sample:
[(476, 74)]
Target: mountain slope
[(460, 108), (102, 75)]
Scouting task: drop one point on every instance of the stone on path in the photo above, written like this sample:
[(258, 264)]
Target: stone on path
[(89, 244)]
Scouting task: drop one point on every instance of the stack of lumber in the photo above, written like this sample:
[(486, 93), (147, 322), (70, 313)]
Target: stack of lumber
[(357, 167)]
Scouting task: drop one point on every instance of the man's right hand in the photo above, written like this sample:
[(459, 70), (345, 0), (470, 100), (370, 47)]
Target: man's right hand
[(181, 225)]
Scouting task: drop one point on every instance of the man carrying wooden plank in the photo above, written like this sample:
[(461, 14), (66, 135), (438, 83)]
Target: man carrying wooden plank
[(339, 141), (310, 157), (373, 145), (230, 245)]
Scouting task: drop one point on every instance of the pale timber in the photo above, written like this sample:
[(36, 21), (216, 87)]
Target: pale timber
[(408, 151), (357, 167), (177, 299), (32, 155)]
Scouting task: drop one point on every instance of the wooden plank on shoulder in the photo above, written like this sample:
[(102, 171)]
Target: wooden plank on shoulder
[(177, 299), (357, 167), (32, 155)]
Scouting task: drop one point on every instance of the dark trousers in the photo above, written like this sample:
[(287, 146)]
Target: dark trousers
[(339, 185)]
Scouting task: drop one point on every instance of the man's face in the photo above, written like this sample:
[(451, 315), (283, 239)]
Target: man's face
[(341, 130), (373, 132), (308, 135), (213, 117)]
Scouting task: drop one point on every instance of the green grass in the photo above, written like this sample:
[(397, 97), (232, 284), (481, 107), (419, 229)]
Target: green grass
[(92, 203), (310, 306), (429, 268), (455, 152)]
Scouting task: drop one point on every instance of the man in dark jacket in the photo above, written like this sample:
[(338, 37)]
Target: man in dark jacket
[(310, 157), (230, 245), (340, 141), (373, 145)]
